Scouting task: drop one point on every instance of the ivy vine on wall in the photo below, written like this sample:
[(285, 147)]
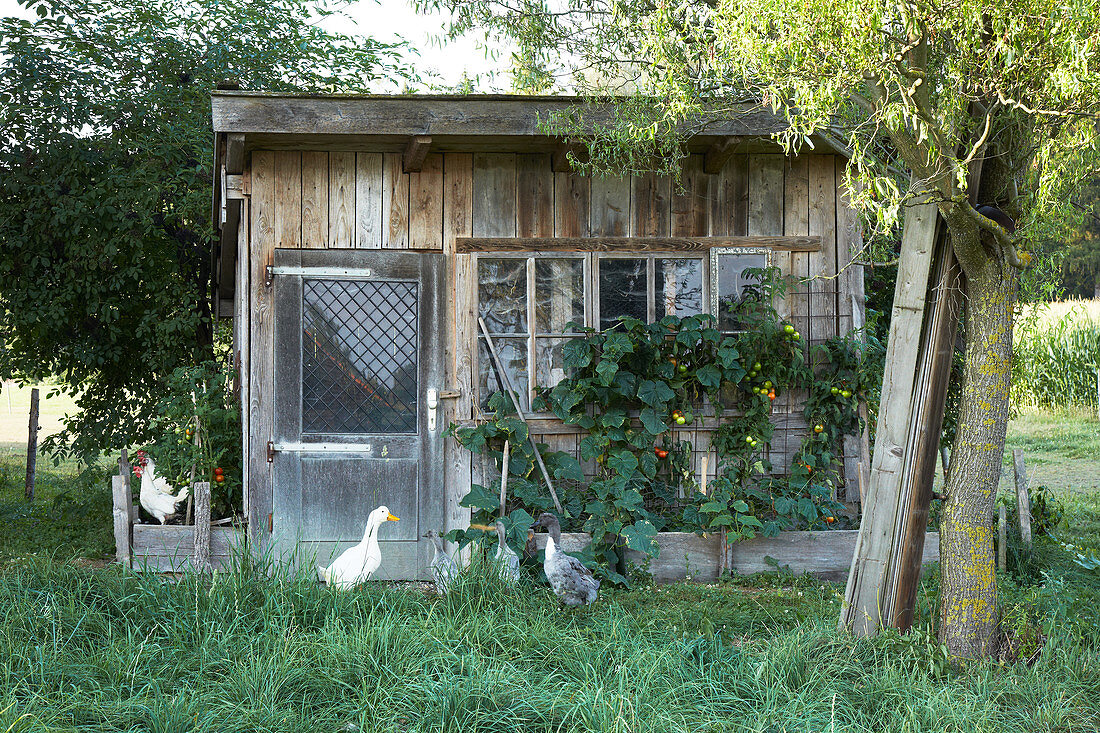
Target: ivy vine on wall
[(635, 390)]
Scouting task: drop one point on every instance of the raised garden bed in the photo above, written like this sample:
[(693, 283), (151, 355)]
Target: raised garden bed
[(824, 554), (169, 548)]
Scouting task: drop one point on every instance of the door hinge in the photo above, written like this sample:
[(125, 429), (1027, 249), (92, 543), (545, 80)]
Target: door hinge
[(450, 394), (270, 451)]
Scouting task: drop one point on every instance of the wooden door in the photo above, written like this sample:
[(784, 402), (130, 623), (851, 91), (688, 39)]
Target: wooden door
[(358, 366)]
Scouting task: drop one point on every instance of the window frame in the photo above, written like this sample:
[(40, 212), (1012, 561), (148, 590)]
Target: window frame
[(591, 296)]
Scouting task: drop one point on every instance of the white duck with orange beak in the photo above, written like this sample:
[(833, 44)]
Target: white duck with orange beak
[(358, 563)]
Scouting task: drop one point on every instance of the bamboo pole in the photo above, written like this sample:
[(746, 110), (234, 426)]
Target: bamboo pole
[(506, 382)]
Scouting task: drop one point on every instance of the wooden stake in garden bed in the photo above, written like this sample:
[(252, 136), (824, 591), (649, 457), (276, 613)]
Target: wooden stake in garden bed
[(1023, 501), (201, 560)]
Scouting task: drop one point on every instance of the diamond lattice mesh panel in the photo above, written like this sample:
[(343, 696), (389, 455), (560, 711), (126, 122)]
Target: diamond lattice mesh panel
[(359, 361)]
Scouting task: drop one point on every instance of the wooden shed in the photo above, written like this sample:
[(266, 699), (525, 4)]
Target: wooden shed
[(362, 235)]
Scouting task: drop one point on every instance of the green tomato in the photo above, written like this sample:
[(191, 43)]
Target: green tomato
[(834, 390), (682, 368), (845, 393), (789, 328), (796, 336), (757, 367), (748, 439), (681, 420), (768, 384)]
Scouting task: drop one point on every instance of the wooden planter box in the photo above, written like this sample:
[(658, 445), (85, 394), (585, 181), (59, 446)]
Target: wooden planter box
[(685, 555), (169, 548)]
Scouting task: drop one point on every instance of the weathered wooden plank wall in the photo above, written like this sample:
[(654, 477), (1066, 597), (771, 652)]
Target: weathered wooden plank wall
[(344, 200)]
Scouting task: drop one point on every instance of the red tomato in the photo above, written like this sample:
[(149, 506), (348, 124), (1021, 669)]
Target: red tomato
[(219, 478)]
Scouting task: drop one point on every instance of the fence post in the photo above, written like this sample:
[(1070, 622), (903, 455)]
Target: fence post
[(1002, 539), (32, 446), (123, 511), (1023, 501), (201, 559)]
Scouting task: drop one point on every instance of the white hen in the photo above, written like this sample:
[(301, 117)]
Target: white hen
[(156, 495), (358, 563)]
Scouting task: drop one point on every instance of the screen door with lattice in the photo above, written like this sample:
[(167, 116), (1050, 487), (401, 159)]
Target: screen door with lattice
[(358, 358)]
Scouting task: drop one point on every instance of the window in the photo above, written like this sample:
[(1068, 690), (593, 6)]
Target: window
[(529, 300)]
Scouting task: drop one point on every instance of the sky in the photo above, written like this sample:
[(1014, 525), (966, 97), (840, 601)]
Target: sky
[(386, 20)]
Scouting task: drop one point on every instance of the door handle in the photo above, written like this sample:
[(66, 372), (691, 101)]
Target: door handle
[(433, 407)]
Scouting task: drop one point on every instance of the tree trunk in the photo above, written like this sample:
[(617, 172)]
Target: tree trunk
[(968, 602)]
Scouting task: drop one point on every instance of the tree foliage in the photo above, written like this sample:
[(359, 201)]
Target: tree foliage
[(105, 183)]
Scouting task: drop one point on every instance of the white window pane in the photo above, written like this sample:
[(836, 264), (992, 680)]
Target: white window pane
[(513, 355), (678, 290), (549, 361), (734, 285), (502, 293), (624, 290), (559, 294)]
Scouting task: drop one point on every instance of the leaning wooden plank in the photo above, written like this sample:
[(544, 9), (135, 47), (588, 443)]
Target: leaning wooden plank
[(863, 612), (632, 244)]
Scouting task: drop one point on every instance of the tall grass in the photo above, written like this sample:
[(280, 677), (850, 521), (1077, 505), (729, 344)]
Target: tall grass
[(241, 651), (1057, 355)]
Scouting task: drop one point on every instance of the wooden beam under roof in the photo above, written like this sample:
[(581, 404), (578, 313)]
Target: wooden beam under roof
[(412, 160), (476, 115), (468, 245)]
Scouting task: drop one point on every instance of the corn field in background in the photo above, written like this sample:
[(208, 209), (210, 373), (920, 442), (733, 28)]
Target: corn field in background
[(1057, 354)]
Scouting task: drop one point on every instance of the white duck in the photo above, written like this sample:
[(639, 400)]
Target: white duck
[(443, 567), (156, 495), (572, 582), (356, 564)]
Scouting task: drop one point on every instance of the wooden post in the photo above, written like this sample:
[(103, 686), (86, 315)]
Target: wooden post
[(201, 559), (32, 446), (504, 478), (1002, 538), (123, 511), (704, 466), (1023, 501)]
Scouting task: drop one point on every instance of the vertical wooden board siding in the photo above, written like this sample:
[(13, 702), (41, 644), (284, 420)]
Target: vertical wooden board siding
[(368, 201), (651, 206), (796, 223), (534, 196), (765, 209), (494, 204), (341, 200), (288, 199), (426, 204), (242, 327), (691, 200), (822, 263), (459, 332), (314, 200), (610, 207), (572, 200), (729, 215), (261, 347), (395, 203)]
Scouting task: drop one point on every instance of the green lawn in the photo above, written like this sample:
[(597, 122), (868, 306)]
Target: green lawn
[(86, 649)]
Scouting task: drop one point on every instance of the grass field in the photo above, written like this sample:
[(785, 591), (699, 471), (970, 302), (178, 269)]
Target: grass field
[(85, 649)]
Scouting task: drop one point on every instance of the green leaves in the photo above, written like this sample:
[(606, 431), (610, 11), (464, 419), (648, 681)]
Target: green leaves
[(481, 498), (640, 536), (655, 394)]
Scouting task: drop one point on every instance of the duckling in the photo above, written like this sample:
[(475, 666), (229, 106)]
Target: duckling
[(507, 561), (442, 566), (572, 582)]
